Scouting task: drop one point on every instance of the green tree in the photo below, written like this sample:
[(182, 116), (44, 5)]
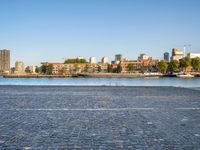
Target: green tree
[(99, 68), (173, 66), (86, 69), (47, 69), (109, 68), (163, 66), (185, 62), (71, 61), (43, 69), (37, 69), (130, 67), (142, 69), (119, 68), (50, 69), (76, 68), (82, 61), (196, 64), (63, 70), (27, 69)]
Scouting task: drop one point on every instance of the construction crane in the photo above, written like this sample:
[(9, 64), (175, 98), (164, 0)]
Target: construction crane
[(185, 46)]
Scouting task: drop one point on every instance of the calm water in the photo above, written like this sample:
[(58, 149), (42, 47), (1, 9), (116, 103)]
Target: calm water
[(178, 82)]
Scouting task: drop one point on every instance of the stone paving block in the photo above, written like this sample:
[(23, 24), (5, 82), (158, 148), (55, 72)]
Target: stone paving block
[(42, 117)]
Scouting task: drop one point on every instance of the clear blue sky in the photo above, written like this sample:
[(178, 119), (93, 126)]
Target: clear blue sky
[(49, 30)]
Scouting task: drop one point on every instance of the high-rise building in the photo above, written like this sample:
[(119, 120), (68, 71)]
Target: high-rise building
[(105, 60), (118, 58), (166, 56), (4, 60), (19, 67), (177, 54), (93, 60)]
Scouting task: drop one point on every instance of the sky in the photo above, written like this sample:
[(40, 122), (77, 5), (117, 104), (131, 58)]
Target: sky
[(52, 30)]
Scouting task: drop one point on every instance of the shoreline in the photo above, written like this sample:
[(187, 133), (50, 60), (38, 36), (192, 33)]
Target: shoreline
[(94, 75), (98, 86)]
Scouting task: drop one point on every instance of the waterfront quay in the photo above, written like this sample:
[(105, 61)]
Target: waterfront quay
[(97, 75), (81, 117)]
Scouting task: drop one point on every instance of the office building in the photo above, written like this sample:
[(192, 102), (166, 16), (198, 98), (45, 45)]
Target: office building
[(177, 54), (118, 58), (4, 60), (105, 60), (166, 56)]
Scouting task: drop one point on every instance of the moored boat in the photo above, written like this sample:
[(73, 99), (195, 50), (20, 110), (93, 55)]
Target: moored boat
[(185, 75)]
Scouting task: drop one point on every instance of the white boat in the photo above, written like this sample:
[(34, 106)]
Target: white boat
[(185, 75)]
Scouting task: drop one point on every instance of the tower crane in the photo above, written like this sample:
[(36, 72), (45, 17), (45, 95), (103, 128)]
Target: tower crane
[(185, 46)]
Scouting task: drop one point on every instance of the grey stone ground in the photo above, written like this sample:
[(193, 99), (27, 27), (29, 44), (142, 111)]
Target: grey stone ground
[(99, 118)]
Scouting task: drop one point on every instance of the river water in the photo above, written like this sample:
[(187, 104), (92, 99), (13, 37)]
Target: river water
[(177, 82)]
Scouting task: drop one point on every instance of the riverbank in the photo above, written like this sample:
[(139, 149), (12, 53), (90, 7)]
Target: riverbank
[(38, 76), (86, 75), (112, 75), (94, 75)]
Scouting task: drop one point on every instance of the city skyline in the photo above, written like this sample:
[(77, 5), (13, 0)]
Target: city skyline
[(176, 54), (50, 30)]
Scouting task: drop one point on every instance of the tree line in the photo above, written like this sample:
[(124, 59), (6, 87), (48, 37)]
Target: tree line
[(182, 64), (76, 60), (163, 66)]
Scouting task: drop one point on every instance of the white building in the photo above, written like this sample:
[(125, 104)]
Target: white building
[(19, 67), (143, 57), (93, 60), (32, 69), (193, 55), (105, 60), (80, 57)]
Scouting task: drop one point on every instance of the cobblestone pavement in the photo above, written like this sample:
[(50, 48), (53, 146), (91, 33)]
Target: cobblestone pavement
[(99, 118)]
